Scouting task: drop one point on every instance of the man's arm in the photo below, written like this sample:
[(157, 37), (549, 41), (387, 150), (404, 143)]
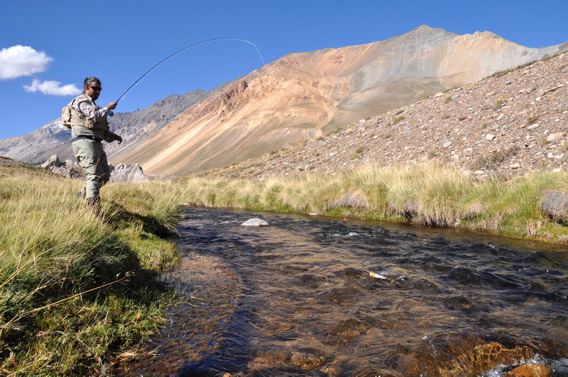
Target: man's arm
[(94, 112)]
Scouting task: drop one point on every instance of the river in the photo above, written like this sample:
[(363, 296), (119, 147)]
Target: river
[(326, 297)]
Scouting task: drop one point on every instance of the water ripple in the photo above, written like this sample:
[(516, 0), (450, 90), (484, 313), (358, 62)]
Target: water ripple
[(312, 296)]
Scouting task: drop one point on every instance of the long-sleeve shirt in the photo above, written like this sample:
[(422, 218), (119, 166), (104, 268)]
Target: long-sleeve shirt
[(87, 106)]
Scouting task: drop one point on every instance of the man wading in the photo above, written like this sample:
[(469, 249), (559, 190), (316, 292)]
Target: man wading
[(89, 127)]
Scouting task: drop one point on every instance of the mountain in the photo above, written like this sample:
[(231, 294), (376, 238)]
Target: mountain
[(507, 124), (303, 96), (299, 97), (35, 147), (135, 127)]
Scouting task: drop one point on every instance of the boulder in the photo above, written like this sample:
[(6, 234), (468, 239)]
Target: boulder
[(52, 162), (351, 199), (555, 204), (69, 169), (131, 173), (409, 209)]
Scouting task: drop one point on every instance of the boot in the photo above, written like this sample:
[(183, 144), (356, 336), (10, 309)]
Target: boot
[(95, 204)]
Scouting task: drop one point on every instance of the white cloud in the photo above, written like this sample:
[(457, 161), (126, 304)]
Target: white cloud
[(53, 88), (21, 60)]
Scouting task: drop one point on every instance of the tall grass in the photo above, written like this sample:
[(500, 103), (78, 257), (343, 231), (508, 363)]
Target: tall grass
[(76, 289), (427, 194), (512, 207)]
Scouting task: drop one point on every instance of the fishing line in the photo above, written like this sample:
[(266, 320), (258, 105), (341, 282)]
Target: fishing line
[(186, 48)]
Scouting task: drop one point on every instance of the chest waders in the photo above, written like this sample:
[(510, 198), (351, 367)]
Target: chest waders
[(87, 137)]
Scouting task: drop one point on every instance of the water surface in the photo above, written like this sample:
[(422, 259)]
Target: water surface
[(322, 297)]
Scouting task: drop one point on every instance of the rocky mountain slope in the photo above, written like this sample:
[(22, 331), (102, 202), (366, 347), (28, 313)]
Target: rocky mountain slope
[(304, 96), (135, 127), (507, 124)]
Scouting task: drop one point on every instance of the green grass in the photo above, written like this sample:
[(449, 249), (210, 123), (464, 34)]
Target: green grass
[(512, 207), (428, 194), (398, 119), (76, 289)]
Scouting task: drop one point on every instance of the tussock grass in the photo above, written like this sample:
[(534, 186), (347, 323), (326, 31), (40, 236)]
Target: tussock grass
[(429, 194), (512, 207), (76, 289)]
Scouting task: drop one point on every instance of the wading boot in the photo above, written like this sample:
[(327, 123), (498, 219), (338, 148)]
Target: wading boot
[(95, 204)]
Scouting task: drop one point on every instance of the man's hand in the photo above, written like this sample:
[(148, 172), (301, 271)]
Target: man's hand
[(111, 105), (111, 136)]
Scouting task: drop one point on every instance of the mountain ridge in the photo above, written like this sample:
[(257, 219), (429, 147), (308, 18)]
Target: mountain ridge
[(505, 125), (302, 96), (52, 138)]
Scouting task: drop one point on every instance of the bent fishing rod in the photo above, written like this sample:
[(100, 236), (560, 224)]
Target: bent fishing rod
[(187, 48)]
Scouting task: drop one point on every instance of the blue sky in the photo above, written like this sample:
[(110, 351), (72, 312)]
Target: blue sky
[(49, 47)]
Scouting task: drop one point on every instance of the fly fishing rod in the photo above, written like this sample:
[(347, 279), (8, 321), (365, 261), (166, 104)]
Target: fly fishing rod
[(187, 48)]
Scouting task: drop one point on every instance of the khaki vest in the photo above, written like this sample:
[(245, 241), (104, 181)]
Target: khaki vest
[(81, 125)]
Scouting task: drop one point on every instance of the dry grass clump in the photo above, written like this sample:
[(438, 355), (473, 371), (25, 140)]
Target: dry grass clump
[(432, 191)]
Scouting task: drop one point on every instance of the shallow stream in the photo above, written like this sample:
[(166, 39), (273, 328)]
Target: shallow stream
[(324, 297)]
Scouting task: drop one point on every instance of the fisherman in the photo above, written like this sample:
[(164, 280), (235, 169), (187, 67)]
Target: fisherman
[(89, 127)]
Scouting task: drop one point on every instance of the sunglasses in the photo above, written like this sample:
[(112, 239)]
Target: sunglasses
[(96, 88)]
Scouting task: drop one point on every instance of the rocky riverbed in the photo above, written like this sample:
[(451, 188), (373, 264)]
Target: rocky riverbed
[(317, 297)]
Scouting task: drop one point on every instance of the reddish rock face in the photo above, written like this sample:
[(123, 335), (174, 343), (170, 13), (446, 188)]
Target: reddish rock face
[(530, 370)]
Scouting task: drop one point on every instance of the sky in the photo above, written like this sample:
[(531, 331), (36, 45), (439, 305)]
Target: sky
[(47, 48)]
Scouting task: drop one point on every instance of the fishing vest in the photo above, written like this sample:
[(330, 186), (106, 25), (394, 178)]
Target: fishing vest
[(81, 125)]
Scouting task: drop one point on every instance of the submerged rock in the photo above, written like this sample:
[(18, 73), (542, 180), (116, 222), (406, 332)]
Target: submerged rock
[(255, 222), (530, 370), (307, 361), (349, 327)]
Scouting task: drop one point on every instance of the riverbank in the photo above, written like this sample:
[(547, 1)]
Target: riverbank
[(429, 194), (79, 292)]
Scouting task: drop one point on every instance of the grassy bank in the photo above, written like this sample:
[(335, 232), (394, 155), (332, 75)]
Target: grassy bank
[(424, 194), (77, 290)]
